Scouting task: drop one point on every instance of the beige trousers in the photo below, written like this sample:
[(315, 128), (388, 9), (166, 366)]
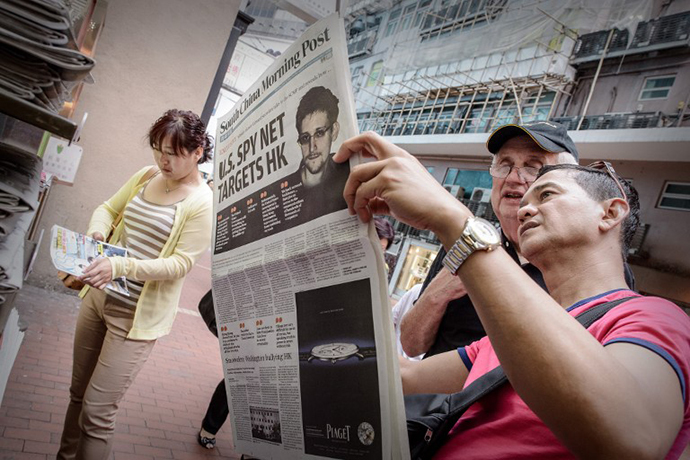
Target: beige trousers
[(105, 365)]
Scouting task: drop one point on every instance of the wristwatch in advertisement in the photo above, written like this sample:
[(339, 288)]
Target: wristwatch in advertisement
[(478, 234), (335, 352)]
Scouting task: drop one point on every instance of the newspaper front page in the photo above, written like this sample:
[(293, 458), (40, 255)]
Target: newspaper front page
[(298, 284)]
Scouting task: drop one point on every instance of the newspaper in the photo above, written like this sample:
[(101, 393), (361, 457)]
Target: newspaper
[(299, 285), (20, 176), (12, 254), (72, 252)]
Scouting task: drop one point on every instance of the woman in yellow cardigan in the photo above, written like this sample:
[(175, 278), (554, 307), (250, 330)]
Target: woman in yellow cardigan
[(166, 226)]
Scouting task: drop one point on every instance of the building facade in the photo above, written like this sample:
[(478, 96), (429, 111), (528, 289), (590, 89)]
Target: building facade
[(436, 76)]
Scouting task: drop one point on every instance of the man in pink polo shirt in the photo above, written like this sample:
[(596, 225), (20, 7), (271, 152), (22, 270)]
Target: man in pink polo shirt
[(616, 390)]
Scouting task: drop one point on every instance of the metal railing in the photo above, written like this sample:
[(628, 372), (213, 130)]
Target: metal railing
[(633, 120)]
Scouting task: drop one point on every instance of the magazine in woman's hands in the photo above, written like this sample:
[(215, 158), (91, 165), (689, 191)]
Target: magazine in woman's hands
[(72, 252)]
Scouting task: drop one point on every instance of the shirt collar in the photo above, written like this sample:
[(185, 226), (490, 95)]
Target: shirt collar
[(593, 298)]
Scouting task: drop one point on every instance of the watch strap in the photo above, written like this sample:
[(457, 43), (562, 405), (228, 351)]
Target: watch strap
[(467, 244), (457, 255)]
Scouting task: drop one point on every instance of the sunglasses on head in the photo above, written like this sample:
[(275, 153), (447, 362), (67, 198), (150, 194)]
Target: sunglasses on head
[(606, 166)]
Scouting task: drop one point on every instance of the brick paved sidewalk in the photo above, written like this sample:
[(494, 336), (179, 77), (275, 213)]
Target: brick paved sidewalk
[(160, 414)]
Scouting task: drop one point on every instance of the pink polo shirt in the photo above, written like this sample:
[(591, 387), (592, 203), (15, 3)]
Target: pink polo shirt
[(501, 426)]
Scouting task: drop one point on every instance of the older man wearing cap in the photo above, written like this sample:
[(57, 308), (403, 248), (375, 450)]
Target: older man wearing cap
[(444, 318)]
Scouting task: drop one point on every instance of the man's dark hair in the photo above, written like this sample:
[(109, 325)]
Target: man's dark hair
[(317, 99), (600, 186), (384, 229)]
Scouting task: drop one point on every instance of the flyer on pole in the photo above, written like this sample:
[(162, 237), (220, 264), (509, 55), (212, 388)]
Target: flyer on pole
[(299, 285)]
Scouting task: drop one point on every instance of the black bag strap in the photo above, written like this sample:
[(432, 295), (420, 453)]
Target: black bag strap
[(459, 402), (592, 315)]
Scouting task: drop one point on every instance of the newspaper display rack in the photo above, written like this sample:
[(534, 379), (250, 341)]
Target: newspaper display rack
[(298, 284)]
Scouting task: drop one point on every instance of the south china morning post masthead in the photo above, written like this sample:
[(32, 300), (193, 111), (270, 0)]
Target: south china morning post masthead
[(293, 62)]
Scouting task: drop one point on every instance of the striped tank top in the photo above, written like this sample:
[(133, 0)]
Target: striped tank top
[(147, 228)]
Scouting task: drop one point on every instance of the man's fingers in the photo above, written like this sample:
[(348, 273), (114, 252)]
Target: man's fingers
[(378, 206), (370, 144), (366, 192), (358, 176)]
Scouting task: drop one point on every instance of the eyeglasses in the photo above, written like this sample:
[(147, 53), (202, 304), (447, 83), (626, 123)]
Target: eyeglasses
[(606, 166), (527, 173), (305, 138)]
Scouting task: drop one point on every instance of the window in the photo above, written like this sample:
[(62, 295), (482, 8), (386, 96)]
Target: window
[(390, 28), (537, 109), (461, 183), (406, 22), (418, 18), (356, 78), (657, 87), (262, 8), (676, 195), (375, 73)]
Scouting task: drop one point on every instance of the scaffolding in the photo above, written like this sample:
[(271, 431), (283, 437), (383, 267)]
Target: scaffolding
[(448, 100), (513, 65)]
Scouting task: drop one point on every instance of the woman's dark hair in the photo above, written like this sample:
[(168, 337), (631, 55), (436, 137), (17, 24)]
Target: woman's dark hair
[(600, 186), (186, 132), (384, 229)]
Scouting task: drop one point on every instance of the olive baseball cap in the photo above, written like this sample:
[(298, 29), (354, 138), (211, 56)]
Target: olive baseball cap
[(549, 135)]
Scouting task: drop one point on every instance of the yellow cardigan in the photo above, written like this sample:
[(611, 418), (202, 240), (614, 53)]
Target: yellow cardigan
[(163, 277)]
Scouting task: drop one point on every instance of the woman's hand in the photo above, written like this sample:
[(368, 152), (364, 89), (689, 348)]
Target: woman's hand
[(98, 236), (98, 274)]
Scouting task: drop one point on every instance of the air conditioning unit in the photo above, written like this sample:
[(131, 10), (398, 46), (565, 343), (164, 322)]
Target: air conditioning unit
[(482, 195), (455, 190)]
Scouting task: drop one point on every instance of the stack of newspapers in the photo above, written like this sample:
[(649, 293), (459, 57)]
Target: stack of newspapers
[(20, 175), (39, 61)]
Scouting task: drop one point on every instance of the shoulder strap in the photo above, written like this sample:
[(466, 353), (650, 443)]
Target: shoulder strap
[(592, 315), (149, 174), (460, 401)]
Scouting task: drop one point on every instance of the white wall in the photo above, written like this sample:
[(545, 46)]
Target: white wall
[(666, 241)]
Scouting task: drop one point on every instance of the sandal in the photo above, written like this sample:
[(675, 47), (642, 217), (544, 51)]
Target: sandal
[(208, 443)]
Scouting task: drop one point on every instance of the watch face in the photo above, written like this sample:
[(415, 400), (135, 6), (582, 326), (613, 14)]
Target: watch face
[(334, 350), (485, 232), (365, 433)]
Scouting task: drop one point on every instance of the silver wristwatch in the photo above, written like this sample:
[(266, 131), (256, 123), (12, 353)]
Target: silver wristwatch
[(478, 234)]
